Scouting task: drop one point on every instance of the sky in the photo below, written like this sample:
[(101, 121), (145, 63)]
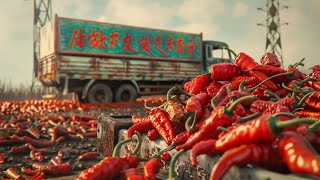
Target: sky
[(232, 21)]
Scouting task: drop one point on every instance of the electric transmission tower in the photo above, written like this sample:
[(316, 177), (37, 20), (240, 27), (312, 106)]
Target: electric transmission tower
[(42, 13), (273, 23)]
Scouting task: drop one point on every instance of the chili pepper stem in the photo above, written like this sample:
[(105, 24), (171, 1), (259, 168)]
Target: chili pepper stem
[(275, 123), (193, 125), (212, 102), (241, 86), (116, 150), (302, 100), (312, 128), (251, 116), (284, 114), (269, 78), (138, 145), (298, 109), (172, 173), (304, 81), (236, 102), (272, 95), (231, 51), (294, 90), (168, 148), (220, 128)]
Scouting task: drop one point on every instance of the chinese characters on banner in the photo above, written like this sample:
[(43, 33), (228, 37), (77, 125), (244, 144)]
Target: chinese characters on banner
[(146, 44)]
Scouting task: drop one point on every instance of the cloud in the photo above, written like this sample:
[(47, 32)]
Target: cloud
[(240, 9)]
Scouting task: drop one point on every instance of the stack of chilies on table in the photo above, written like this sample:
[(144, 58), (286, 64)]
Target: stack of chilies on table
[(250, 113)]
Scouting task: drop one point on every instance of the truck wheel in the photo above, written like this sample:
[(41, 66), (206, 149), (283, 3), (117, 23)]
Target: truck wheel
[(100, 93), (126, 93)]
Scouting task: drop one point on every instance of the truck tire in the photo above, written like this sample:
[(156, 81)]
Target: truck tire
[(100, 93), (126, 93)]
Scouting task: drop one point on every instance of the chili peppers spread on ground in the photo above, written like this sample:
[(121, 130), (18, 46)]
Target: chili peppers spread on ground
[(234, 110)]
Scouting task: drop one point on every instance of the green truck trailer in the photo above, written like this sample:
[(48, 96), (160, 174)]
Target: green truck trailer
[(103, 62)]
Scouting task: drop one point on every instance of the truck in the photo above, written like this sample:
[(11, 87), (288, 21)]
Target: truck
[(103, 62)]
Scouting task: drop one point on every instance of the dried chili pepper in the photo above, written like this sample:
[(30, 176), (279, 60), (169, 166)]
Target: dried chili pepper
[(141, 127), (245, 62), (221, 116), (213, 88), (38, 143), (250, 81), (29, 172), (135, 119), (313, 101), (151, 168), (270, 59), (162, 124), (312, 138), (34, 132), (308, 114), (54, 170), (259, 130), (187, 85), (20, 149), (267, 107), (202, 147), (88, 156), (165, 156), (2, 154), (152, 134), (224, 71), (199, 83), (181, 138), (262, 77), (11, 173), (268, 69), (297, 155), (255, 154), (196, 104)]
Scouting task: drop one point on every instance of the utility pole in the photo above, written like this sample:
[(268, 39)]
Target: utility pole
[(273, 23), (42, 12)]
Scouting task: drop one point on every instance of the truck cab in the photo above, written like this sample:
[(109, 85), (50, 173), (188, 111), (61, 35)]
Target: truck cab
[(214, 52)]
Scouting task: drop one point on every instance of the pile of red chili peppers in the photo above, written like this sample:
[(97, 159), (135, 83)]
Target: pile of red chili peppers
[(248, 112)]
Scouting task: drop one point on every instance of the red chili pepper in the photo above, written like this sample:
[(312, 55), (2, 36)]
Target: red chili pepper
[(29, 172), (60, 139), (250, 81), (34, 155), (224, 71), (11, 173), (56, 160), (38, 143), (196, 104), (282, 92), (187, 85), (152, 134), (270, 59), (268, 70), (314, 139), (221, 94), (162, 124), (39, 176), (308, 114), (313, 101), (315, 75), (220, 116), (107, 168), (267, 107), (152, 168), (165, 156), (245, 62), (136, 119), (259, 130), (141, 127), (181, 138), (54, 170), (202, 147), (297, 73), (255, 154), (88, 156), (128, 174), (213, 88), (296, 154), (2, 157), (34, 132), (199, 83), (261, 76), (20, 149)]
